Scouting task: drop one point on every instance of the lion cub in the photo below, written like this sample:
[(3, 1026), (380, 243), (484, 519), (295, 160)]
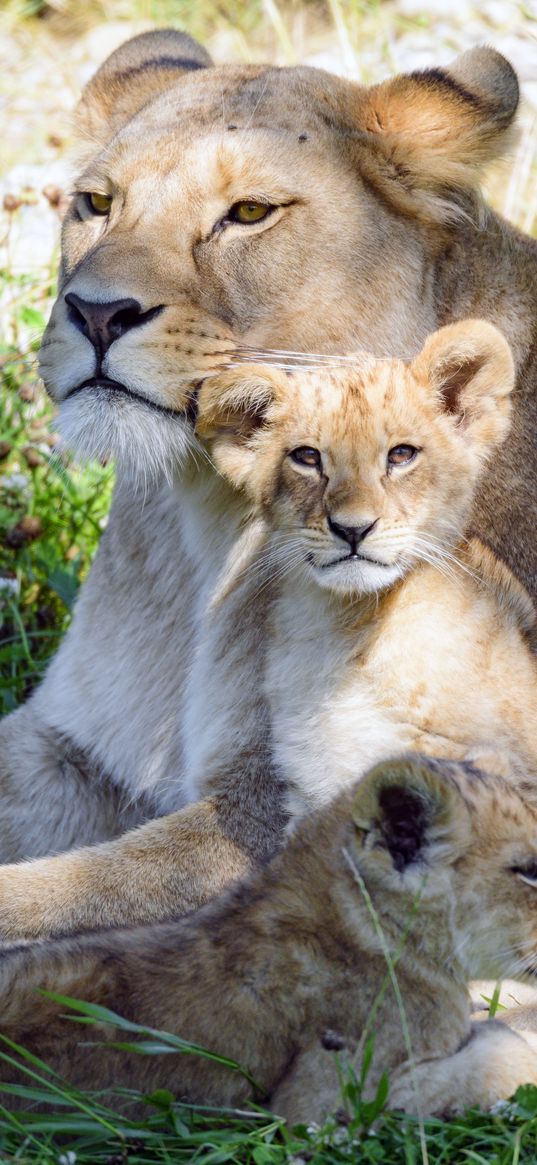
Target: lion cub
[(429, 860), (389, 630)]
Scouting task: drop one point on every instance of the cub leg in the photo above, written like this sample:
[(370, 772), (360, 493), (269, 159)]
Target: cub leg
[(36, 1021), (489, 1067), (313, 1074), (120, 971), (521, 1011)]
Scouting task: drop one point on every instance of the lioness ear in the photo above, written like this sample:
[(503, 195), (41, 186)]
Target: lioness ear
[(434, 131), (408, 813), (232, 408), (471, 367), (131, 76)]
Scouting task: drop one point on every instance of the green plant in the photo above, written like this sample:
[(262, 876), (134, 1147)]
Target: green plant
[(52, 512), (62, 1126)]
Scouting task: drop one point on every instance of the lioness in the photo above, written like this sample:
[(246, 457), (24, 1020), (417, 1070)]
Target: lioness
[(387, 631), (276, 208), (428, 864)]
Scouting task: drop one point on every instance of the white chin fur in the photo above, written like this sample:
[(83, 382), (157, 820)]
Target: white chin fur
[(356, 577), (146, 445)]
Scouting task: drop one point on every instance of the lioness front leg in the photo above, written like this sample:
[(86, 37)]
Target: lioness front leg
[(165, 868), (489, 1067), (52, 795)]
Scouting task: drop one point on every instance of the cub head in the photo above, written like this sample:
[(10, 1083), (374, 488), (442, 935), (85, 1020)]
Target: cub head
[(362, 471), (431, 830), (213, 203)]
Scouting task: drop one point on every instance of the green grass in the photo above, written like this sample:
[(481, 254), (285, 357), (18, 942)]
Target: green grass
[(83, 1129), (62, 1125), (51, 511)]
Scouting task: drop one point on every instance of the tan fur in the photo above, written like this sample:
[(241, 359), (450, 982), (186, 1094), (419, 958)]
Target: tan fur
[(291, 962), (402, 639), (378, 235)]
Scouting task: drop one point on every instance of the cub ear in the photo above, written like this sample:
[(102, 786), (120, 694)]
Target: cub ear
[(434, 131), (232, 409), (408, 812), (137, 71), (471, 368)]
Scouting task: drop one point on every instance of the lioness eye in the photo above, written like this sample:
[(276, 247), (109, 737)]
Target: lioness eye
[(306, 456), (248, 212), (99, 203), (526, 873), (402, 454)]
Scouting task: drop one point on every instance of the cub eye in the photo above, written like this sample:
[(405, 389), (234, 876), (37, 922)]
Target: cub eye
[(249, 212), (306, 456), (402, 454), (99, 203), (526, 873)]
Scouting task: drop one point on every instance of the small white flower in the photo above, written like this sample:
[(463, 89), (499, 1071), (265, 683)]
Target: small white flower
[(15, 482), (501, 1108), (9, 586), (68, 1158)]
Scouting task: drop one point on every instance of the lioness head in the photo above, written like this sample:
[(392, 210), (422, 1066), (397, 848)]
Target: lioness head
[(363, 470), (429, 830), (270, 207)]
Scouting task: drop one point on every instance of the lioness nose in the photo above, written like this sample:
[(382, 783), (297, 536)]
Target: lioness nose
[(103, 323), (351, 534)]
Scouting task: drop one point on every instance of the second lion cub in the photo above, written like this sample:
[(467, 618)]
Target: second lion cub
[(389, 629)]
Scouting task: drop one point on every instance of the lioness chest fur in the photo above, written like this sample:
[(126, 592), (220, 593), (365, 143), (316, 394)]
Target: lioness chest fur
[(387, 629)]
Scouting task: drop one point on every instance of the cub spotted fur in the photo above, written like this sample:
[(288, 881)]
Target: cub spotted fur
[(290, 962), (386, 632)]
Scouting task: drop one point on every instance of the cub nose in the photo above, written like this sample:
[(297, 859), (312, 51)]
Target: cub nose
[(103, 323), (352, 534)]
